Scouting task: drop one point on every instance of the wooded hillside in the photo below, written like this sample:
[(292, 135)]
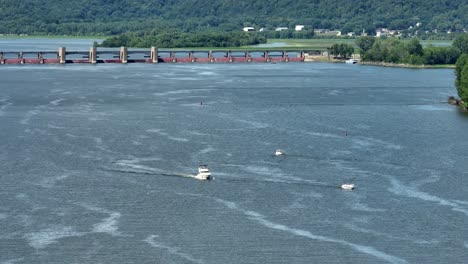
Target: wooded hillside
[(109, 17)]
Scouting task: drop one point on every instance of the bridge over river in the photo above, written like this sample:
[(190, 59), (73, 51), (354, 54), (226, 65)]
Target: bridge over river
[(153, 55)]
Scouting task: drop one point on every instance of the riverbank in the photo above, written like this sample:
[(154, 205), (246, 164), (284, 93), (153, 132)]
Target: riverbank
[(325, 58), (406, 65), (457, 102), (21, 36)]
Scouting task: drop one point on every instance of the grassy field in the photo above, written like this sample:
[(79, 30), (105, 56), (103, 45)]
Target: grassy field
[(272, 44), (325, 43), (439, 43), (310, 43)]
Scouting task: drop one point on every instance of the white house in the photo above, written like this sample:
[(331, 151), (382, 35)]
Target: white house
[(248, 29), (299, 27), (281, 28)]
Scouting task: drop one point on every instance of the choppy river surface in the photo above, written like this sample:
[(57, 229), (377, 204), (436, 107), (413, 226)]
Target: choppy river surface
[(91, 159)]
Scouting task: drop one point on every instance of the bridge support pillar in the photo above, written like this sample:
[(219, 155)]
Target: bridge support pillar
[(284, 56), (210, 56), (62, 55), (248, 57), (154, 55), (40, 57), (92, 55), (192, 59), (20, 57), (123, 55), (267, 56)]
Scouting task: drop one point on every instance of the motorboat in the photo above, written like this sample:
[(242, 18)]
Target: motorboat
[(203, 173), (351, 61), (279, 152), (347, 186)]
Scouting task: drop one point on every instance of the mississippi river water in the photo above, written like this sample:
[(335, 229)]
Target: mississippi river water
[(92, 159)]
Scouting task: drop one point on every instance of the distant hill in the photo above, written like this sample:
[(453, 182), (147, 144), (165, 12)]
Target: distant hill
[(109, 17)]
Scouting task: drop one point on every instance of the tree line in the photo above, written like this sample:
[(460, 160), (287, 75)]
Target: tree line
[(461, 79), (105, 17), (393, 50), (184, 40)]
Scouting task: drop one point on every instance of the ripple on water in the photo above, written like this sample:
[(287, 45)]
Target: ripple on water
[(108, 225), (45, 237), (413, 192), (151, 240), (261, 219)]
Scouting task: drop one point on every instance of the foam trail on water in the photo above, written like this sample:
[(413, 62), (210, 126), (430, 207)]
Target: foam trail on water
[(259, 218), (57, 102), (372, 232), (172, 250), (3, 107), (28, 116), (410, 191), (129, 166), (12, 261), (109, 224), (45, 237)]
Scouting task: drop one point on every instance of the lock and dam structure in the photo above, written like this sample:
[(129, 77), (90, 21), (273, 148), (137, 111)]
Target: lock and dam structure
[(152, 55)]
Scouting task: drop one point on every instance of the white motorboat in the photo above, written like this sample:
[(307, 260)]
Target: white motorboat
[(351, 61), (347, 186), (279, 152), (203, 173)]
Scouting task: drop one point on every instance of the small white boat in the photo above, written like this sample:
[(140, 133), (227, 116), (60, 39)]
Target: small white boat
[(203, 173), (279, 152), (351, 61), (347, 186)]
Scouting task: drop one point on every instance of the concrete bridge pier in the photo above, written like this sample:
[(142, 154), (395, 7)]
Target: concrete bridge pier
[(267, 56), (154, 55), (62, 55), (40, 57), (123, 55), (92, 55), (20, 57), (191, 57), (210, 56)]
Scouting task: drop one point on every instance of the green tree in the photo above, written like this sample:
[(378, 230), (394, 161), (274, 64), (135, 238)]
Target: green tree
[(461, 78), (342, 50), (414, 47), (460, 43), (365, 43), (440, 55)]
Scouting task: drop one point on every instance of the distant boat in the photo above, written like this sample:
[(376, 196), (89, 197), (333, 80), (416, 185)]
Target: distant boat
[(347, 186), (279, 152), (351, 61), (203, 173)]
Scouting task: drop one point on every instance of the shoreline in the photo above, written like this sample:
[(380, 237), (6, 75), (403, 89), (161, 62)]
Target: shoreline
[(321, 58), (406, 65), (7, 36)]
